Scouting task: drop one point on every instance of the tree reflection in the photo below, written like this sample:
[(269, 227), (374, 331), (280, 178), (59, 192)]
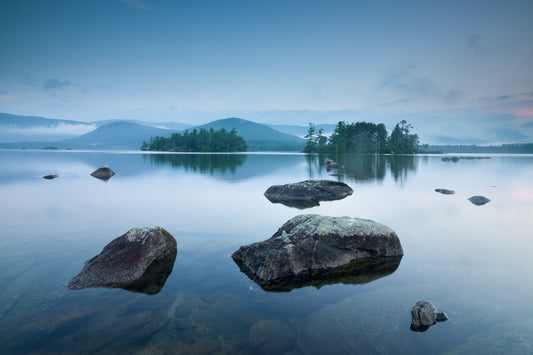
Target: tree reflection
[(203, 163), (364, 167)]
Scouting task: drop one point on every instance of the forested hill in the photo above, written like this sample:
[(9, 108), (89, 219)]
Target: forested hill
[(259, 137)]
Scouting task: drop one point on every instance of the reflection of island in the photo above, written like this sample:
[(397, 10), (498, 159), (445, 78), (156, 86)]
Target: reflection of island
[(204, 163), (359, 271), (365, 167)]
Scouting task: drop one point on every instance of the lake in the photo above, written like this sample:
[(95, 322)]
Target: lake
[(473, 262)]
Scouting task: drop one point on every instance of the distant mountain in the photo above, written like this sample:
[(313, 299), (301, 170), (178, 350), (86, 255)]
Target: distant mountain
[(164, 125), (259, 137), (15, 128), (301, 131), (113, 136), (117, 135)]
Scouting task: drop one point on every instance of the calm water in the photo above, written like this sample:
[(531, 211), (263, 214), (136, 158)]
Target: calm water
[(473, 262)]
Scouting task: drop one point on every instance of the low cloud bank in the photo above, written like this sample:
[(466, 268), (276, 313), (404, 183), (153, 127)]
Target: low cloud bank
[(59, 129)]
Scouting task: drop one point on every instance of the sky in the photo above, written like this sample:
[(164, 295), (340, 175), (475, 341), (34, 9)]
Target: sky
[(461, 69)]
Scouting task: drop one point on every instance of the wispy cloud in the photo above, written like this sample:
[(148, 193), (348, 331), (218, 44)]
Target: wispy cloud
[(60, 128), (54, 83), (395, 102), (407, 82), (507, 97), (141, 4), (474, 44), (454, 95)]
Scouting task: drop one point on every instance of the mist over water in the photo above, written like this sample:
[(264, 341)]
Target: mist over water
[(473, 262)]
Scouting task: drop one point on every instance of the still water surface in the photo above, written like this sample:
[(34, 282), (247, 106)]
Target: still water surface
[(473, 262)]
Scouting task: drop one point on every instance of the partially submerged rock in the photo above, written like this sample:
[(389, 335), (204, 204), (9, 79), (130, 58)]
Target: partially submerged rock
[(424, 314), (445, 192), (479, 200), (311, 248), (104, 173), (307, 193), (49, 177), (140, 260)]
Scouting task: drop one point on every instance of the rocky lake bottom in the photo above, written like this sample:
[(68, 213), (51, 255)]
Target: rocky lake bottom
[(471, 261)]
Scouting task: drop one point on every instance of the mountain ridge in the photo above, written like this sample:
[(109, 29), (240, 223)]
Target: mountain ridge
[(129, 135)]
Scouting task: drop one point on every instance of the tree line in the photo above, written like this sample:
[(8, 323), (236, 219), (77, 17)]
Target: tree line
[(362, 137), (198, 141)]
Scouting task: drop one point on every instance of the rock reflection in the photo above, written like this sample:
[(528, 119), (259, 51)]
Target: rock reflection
[(359, 271)]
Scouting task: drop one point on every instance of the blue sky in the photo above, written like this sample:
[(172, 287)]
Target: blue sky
[(446, 66)]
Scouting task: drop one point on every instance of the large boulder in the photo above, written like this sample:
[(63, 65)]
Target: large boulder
[(424, 314), (104, 173), (140, 260), (311, 247), (307, 193)]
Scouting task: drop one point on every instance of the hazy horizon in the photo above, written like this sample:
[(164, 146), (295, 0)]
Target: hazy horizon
[(453, 68)]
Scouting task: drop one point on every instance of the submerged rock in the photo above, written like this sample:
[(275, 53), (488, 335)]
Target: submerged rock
[(479, 200), (424, 314), (104, 173), (445, 192), (311, 247), (307, 193), (49, 177), (271, 337), (140, 260)]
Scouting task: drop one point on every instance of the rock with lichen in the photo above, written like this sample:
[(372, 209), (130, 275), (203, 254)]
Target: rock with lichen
[(140, 260), (309, 245)]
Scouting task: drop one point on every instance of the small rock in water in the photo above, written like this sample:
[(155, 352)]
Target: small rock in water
[(445, 192), (479, 200), (103, 173), (424, 314), (49, 177), (307, 193)]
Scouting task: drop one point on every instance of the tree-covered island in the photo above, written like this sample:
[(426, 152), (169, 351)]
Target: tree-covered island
[(363, 137), (198, 141)]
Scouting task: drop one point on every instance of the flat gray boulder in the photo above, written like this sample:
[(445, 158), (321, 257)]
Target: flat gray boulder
[(479, 200), (140, 260), (307, 193), (104, 173), (424, 314), (309, 246)]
